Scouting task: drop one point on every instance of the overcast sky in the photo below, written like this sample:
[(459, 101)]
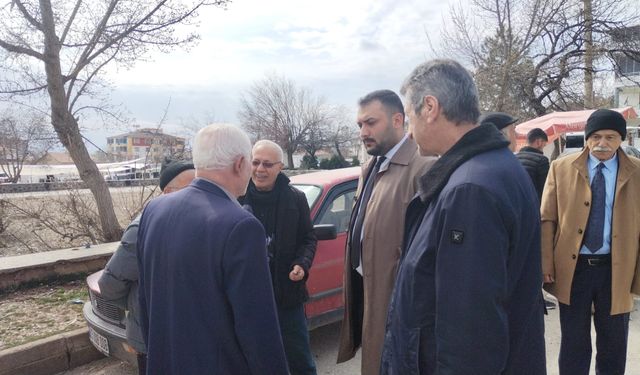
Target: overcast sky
[(340, 49)]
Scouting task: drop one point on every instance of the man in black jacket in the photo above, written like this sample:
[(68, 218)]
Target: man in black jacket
[(291, 244), (537, 166), (533, 160)]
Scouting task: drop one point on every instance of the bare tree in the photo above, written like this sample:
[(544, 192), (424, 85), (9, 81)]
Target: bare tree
[(63, 47), (276, 109), (343, 130), (531, 57), (336, 133), (23, 137)]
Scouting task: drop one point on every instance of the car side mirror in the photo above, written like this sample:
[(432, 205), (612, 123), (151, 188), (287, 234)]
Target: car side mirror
[(325, 232)]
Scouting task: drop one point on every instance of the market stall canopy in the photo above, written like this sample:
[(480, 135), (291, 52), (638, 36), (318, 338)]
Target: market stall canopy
[(558, 123)]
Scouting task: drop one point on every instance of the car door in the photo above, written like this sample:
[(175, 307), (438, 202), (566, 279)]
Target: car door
[(325, 279)]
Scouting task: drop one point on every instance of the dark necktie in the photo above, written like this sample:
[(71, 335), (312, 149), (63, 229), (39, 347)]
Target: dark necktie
[(361, 208), (595, 226)]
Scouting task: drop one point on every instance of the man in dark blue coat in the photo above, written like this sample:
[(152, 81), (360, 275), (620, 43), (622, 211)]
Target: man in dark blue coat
[(206, 301), (467, 298)]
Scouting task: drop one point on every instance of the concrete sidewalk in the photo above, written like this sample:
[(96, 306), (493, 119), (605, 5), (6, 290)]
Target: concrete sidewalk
[(552, 339)]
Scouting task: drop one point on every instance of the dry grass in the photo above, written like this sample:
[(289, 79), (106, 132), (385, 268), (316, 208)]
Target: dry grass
[(32, 314), (31, 223), (37, 222)]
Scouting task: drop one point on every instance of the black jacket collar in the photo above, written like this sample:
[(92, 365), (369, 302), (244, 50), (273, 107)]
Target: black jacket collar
[(480, 139), (531, 149)]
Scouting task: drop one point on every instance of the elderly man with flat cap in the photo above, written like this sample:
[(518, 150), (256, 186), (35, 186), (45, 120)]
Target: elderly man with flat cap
[(120, 277), (505, 123), (590, 240)]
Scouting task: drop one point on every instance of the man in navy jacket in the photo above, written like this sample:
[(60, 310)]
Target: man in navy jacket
[(467, 298), (206, 301)]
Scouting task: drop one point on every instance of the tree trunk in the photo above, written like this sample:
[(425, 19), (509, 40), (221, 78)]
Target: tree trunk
[(342, 159), (290, 159), (68, 132)]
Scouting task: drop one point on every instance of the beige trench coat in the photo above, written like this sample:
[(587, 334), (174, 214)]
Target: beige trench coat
[(394, 188), (565, 211)]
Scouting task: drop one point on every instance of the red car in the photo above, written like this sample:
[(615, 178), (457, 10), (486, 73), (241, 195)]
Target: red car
[(330, 195)]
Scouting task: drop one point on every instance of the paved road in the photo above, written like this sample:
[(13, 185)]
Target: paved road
[(324, 342)]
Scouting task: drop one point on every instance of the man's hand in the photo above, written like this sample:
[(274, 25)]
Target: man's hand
[(297, 273), (548, 279)]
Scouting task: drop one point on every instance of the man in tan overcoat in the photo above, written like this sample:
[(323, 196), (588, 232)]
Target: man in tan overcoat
[(376, 229), (590, 238)]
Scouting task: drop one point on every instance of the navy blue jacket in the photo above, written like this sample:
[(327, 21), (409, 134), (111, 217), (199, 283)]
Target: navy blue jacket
[(206, 301), (467, 298)]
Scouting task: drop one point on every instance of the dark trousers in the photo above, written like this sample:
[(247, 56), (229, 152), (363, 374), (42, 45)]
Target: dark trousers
[(592, 286), (142, 363), (357, 306), (295, 338)]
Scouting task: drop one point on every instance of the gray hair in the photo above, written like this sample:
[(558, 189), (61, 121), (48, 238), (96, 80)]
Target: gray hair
[(450, 83), (272, 145), (218, 146)]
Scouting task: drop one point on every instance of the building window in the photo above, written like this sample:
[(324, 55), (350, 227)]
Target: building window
[(628, 66)]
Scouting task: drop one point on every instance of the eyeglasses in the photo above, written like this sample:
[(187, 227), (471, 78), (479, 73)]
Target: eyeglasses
[(266, 164)]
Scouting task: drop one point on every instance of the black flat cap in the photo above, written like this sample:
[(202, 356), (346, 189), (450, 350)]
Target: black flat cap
[(170, 169), (500, 119)]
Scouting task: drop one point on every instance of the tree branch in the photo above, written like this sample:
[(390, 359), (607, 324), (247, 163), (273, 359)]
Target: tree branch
[(88, 80), (87, 55), (28, 16), (23, 91), (21, 50), (70, 21)]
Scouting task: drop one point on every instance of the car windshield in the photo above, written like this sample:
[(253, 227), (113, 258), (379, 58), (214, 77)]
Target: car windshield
[(312, 193)]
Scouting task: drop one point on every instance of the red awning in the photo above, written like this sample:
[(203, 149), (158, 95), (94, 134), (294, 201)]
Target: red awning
[(557, 123)]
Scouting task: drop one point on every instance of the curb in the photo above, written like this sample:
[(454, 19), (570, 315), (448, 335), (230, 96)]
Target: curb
[(63, 351), (50, 355), (27, 269)]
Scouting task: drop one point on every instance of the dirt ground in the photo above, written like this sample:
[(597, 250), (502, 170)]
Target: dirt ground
[(39, 312), (43, 221)]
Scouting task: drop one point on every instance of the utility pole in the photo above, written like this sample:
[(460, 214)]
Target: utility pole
[(588, 56)]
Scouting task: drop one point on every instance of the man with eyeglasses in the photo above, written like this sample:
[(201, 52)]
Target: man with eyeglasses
[(291, 245), (590, 242)]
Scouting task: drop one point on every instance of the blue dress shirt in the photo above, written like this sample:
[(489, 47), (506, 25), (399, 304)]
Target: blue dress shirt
[(610, 172)]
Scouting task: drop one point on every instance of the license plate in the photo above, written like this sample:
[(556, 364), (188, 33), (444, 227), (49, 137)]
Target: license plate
[(99, 341)]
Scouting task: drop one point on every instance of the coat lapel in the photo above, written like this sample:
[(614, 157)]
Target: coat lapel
[(581, 165), (625, 170)]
